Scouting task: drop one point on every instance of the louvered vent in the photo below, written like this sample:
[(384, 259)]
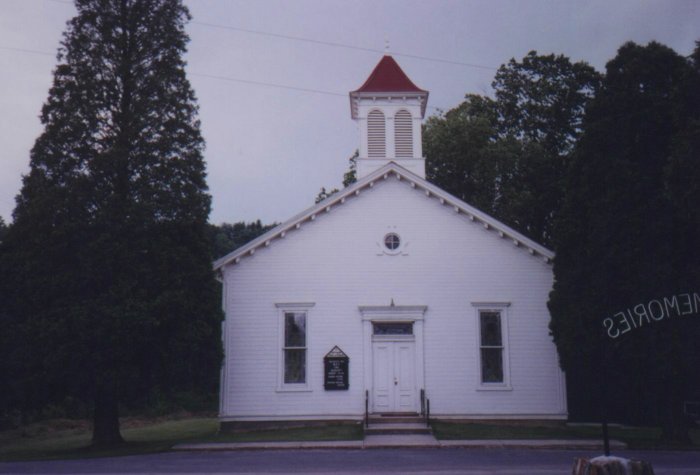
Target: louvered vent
[(376, 135), (403, 134)]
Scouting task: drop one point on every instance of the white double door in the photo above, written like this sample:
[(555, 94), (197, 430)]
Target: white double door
[(394, 376)]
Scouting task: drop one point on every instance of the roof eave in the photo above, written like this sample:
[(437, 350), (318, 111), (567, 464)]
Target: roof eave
[(325, 206), (357, 95)]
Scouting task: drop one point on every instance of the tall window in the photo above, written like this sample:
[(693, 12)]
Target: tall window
[(491, 346), (376, 134), (492, 343), (294, 348), (403, 134)]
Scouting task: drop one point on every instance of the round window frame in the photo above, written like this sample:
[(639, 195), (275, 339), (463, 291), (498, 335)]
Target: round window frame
[(392, 239)]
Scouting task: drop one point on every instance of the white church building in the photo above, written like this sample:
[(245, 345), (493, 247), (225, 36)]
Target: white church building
[(387, 294)]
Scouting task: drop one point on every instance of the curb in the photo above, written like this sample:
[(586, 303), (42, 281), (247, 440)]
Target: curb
[(388, 444)]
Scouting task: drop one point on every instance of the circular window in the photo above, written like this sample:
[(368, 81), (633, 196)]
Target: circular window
[(392, 241)]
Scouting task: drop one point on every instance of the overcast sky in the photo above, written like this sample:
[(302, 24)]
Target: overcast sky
[(269, 148)]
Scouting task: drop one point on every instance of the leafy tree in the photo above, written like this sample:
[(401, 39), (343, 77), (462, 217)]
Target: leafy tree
[(463, 154), (349, 177), (507, 155), (541, 102), (229, 237), (112, 296), (543, 98), (628, 231)]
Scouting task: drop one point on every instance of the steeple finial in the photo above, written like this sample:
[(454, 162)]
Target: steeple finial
[(386, 45)]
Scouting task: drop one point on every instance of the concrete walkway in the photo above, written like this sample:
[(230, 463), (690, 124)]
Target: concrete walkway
[(408, 441)]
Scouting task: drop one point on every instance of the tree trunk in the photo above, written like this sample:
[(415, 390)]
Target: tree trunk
[(105, 430), (675, 427)]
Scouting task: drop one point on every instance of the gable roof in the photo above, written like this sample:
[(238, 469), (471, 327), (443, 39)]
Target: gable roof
[(390, 170), (388, 76)]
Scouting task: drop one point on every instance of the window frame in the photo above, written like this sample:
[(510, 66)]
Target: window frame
[(284, 309), (395, 240), (501, 308)]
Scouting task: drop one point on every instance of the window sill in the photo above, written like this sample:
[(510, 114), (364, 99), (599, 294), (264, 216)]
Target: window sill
[(500, 387), (292, 389)]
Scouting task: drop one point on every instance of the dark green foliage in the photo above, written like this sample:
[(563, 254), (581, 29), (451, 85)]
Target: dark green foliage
[(227, 237), (323, 194), (628, 233), (464, 156), (507, 155), (349, 177), (542, 99), (3, 229), (111, 293)]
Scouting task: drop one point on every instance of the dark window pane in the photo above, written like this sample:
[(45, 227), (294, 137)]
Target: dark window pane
[(294, 366), (490, 328), (392, 241), (491, 365), (294, 329), (403, 328)]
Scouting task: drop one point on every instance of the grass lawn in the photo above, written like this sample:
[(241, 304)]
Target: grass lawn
[(71, 439), (34, 443), (331, 432), (56, 441), (634, 437)]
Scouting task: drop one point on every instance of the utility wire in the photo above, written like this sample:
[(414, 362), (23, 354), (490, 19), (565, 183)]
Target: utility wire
[(24, 50), (223, 78), (283, 86), (339, 45), (268, 84), (328, 43)]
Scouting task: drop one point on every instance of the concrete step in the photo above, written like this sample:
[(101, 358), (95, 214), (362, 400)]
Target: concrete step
[(398, 428), (396, 419)]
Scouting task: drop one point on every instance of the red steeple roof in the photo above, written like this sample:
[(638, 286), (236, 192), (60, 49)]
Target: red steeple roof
[(388, 77)]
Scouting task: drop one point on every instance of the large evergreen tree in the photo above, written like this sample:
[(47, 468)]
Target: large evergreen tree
[(628, 233), (111, 294)]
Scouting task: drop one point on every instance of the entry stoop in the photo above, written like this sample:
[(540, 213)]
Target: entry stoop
[(398, 431), (397, 425)]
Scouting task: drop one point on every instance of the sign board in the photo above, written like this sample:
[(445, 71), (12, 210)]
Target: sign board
[(335, 370)]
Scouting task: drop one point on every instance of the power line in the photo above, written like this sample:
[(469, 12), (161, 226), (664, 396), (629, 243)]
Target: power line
[(328, 43), (340, 45), (24, 50), (268, 84), (281, 86), (224, 78)]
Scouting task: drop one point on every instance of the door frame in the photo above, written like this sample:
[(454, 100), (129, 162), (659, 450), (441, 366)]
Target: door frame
[(393, 313)]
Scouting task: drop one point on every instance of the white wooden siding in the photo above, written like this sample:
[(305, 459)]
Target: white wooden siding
[(336, 262)]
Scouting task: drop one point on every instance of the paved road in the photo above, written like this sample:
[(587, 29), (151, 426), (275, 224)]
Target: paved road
[(346, 462)]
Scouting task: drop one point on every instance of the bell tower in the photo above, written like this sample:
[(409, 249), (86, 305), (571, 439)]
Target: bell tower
[(389, 109)]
